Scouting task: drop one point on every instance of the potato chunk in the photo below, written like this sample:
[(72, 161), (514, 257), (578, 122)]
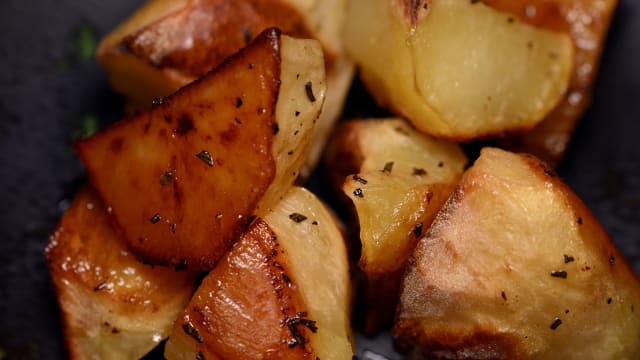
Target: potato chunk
[(398, 179), (183, 178), (458, 69), (282, 292), (113, 307), (168, 44), (516, 267), (587, 21)]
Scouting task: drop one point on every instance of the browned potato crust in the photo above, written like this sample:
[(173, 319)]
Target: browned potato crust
[(113, 307), (183, 178), (516, 267)]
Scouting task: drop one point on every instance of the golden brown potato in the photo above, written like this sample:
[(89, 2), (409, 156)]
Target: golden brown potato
[(401, 180), (587, 21), (282, 292), (458, 69), (168, 44), (183, 178), (516, 267), (113, 307)]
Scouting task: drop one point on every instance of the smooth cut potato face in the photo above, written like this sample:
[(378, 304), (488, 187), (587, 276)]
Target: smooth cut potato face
[(183, 178), (587, 21), (282, 292), (397, 179), (516, 267), (113, 307), (458, 69)]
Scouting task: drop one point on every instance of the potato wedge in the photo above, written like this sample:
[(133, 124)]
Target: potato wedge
[(113, 307), (183, 178), (168, 44), (516, 267), (587, 21), (401, 180), (458, 69), (282, 292)]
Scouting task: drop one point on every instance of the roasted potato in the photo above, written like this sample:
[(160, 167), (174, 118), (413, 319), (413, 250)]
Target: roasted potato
[(282, 292), (516, 267), (401, 180), (587, 21), (183, 178), (113, 307), (458, 69), (168, 44)]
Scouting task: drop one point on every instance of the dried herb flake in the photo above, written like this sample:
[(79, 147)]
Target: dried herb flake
[(206, 157), (388, 167), (309, 90), (559, 274), (155, 218), (297, 217)]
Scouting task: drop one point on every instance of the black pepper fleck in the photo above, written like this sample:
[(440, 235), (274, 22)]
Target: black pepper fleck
[(246, 34), (358, 192), (309, 90), (297, 113), (206, 158), (166, 177), (388, 167), (276, 128), (568, 258), (609, 301), (419, 172), (200, 356), (238, 102), (556, 322), (503, 295), (417, 230), (579, 221), (359, 179), (193, 332), (559, 274), (297, 217), (612, 259), (314, 222), (157, 101), (155, 218)]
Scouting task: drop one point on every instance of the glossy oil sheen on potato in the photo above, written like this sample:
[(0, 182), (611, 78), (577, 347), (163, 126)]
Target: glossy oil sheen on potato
[(458, 69), (281, 293), (113, 307), (516, 267), (183, 178), (400, 179)]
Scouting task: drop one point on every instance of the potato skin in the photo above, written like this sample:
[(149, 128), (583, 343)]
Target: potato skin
[(516, 266), (183, 178)]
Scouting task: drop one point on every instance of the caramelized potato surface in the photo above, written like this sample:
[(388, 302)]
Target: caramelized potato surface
[(113, 307), (183, 178), (458, 69), (281, 293), (516, 267)]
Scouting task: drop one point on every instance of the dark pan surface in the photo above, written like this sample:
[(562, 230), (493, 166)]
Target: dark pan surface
[(47, 88)]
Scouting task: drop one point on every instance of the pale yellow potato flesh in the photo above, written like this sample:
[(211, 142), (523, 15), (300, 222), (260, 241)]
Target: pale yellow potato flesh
[(516, 267), (292, 260), (458, 69)]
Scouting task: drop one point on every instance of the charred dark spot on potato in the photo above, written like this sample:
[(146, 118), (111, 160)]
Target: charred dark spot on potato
[(308, 88), (417, 230), (359, 179), (193, 332), (116, 145), (155, 218), (185, 124), (568, 258), (559, 274), (555, 324), (206, 157)]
